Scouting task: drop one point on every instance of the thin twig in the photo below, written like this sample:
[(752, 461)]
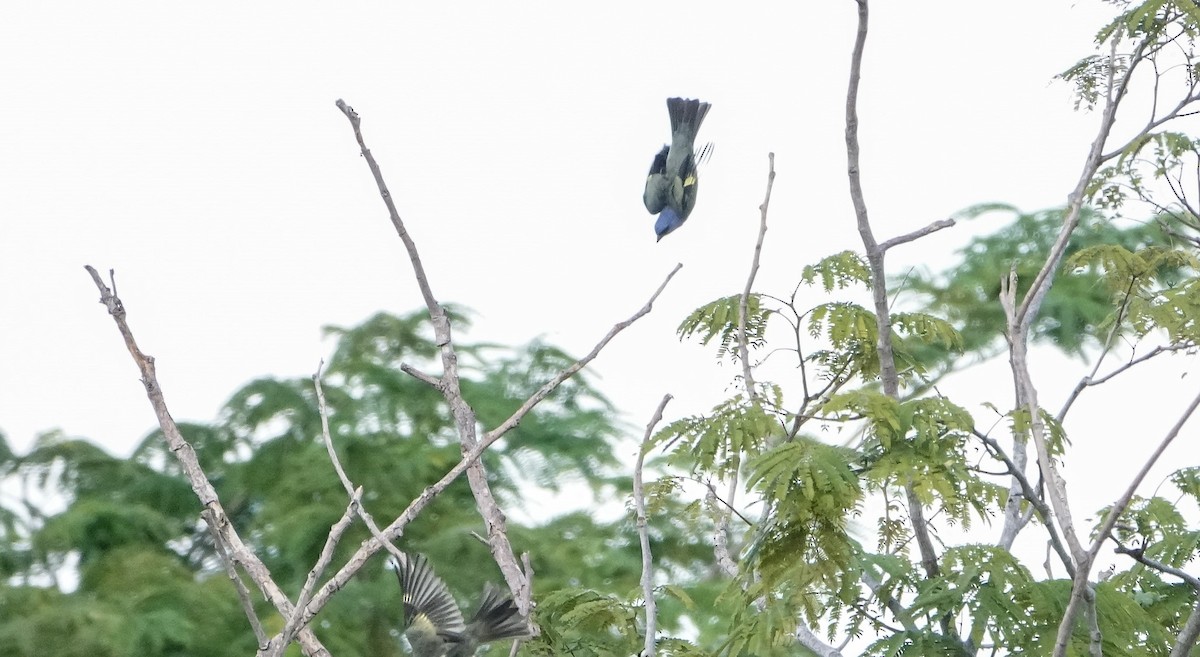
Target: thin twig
[(744, 302), (639, 503), (515, 419), (1089, 381), (726, 503), (1139, 555), (351, 489), (917, 234), (1028, 493), (310, 582), (1108, 346), (242, 592)]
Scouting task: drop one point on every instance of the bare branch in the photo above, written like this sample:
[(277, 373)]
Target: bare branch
[(1029, 493), (809, 640), (1095, 638), (186, 455), (432, 382), (871, 579), (744, 302), (515, 419), (243, 594), (917, 234), (1089, 381), (1032, 303), (721, 534), (335, 534), (464, 415), (351, 489), (639, 503), (396, 529), (875, 257), (449, 384)]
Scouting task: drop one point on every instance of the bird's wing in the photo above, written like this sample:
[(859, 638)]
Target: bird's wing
[(654, 197), (497, 617), (659, 165), (427, 598)]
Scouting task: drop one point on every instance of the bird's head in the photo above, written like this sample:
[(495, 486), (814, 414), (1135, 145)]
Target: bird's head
[(668, 220)]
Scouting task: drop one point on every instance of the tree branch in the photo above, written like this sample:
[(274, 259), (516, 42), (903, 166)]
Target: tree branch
[(1110, 520), (515, 419), (1028, 311), (1139, 555), (243, 594), (639, 503), (396, 529), (186, 455), (917, 234), (351, 489), (744, 302), (875, 257), (1029, 493), (1188, 636), (335, 534), (464, 416)]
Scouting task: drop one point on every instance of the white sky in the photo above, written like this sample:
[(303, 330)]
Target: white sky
[(196, 149)]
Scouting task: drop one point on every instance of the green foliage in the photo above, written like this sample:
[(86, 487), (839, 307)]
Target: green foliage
[(720, 318), (1147, 288), (853, 336), (586, 623), (717, 442), (838, 271), (1079, 302), (815, 490)]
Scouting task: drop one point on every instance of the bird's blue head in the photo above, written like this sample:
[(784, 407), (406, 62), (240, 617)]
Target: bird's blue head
[(668, 221)]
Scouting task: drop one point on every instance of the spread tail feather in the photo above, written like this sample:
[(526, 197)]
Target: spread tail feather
[(686, 115), (498, 617), (425, 594)]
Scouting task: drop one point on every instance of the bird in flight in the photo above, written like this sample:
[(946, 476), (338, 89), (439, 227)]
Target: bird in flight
[(434, 624), (672, 183)]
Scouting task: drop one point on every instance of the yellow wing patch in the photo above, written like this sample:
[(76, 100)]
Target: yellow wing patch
[(689, 181)]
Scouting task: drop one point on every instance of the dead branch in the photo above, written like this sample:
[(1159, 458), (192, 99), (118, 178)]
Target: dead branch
[(219, 522)]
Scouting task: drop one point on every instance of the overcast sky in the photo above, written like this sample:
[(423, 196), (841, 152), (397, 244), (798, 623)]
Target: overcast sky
[(196, 149)]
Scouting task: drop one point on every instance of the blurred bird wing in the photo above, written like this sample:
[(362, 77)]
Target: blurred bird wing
[(659, 165), (654, 197), (497, 617), (427, 599)]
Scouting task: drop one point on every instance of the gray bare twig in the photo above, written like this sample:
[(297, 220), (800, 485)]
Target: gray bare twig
[(639, 502)]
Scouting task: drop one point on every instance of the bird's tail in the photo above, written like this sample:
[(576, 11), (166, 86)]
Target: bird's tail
[(498, 617), (686, 116), (426, 595)]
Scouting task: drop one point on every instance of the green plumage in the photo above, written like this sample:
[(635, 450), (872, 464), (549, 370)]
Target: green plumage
[(433, 623), (672, 181)]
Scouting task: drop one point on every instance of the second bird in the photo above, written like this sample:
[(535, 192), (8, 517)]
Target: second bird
[(433, 623), (672, 183)]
